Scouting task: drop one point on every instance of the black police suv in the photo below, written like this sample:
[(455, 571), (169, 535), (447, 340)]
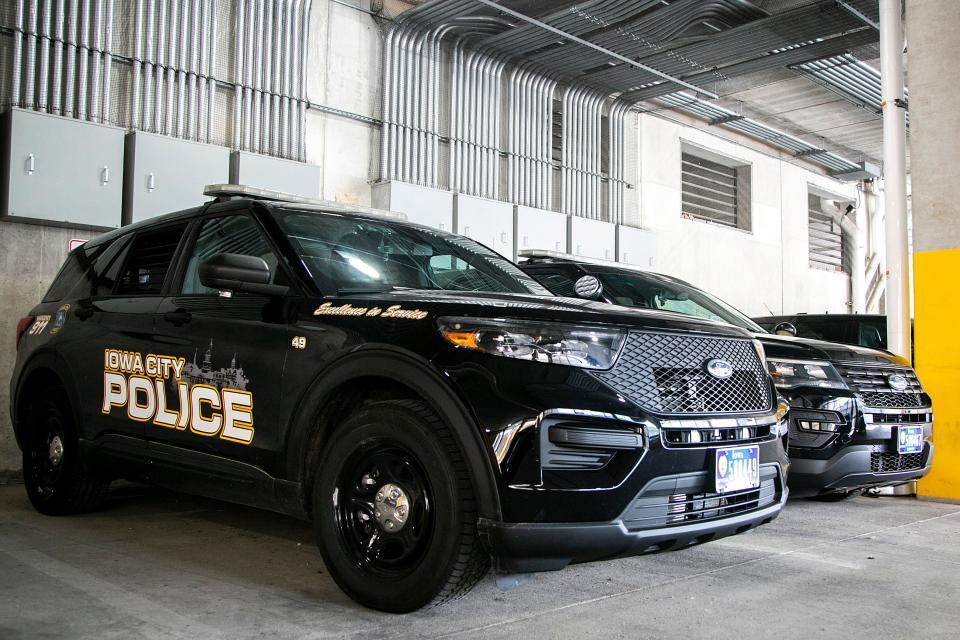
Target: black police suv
[(422, 400), (866, 330), (858, 417)]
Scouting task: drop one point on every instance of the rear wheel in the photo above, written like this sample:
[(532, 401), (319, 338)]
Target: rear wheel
[(57, 478), (394, 511)]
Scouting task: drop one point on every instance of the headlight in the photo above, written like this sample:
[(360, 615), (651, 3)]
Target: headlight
[(572, 345), (808, 373), (783, 420)]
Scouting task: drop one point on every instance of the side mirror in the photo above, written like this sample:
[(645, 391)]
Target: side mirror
[(785, 329), (238, 273), (588, 287)]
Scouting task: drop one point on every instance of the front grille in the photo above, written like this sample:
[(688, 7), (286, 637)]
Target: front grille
[(881, 462), (871, 383), (892, 400), (654, 511), (679, 438), (666, 373)]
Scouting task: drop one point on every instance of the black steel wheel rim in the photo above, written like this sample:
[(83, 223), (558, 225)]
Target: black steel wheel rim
[(46, 468), (372, 465)]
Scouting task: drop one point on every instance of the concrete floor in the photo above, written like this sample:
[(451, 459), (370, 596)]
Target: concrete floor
[(154, 564)]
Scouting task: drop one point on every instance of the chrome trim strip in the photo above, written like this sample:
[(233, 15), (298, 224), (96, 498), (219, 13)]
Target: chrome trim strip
[(905, 411)]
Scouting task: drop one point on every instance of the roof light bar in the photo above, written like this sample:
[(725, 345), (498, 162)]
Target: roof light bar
[(227, 191)]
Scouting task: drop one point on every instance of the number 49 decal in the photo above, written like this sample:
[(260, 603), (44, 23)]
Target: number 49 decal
[(299, 342)]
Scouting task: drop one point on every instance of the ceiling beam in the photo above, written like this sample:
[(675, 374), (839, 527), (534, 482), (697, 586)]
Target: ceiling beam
[(596, 47)]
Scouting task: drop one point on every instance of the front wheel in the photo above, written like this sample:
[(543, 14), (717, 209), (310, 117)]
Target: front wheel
[(394, 511), (57, 478)]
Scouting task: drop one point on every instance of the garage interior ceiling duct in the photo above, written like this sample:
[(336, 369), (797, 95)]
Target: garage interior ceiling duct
[(158, 66), (531, 102)]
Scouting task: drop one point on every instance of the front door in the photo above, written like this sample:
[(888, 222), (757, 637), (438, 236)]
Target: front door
[(227, 352)]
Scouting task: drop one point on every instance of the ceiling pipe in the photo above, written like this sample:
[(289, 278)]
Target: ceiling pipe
[(303, 95), (173, 35), (266, 75), (56, 93), (211, 76), (43, 43), (33, 42), (137, 64), (587, 43), (292, 8), (249, 61), (275, 77), (203, 70), (17, 71), (186, 7), (71, 52), (84, 70), (159, 115), (148, 64), (193, 67), (107, 64)]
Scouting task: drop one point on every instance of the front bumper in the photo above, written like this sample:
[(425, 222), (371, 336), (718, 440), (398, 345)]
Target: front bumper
[(654, 521), (852, 468)]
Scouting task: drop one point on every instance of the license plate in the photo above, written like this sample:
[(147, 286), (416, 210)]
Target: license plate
[(909, 440), (737, 469)]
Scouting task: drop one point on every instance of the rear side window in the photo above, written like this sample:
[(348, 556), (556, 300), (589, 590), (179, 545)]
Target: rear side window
[(149, 261), (85, 263)]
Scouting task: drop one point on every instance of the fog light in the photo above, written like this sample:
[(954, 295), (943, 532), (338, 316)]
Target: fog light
[(810, 425)]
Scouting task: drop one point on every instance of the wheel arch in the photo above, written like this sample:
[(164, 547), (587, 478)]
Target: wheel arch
[(395, 373), (43, 369)]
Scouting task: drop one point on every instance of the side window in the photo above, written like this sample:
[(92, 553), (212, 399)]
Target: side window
[(230, 234), (149, 261)]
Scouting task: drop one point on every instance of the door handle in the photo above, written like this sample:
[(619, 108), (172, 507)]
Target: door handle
[(178, 317)]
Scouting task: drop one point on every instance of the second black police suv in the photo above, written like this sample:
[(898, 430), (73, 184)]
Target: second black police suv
[(859, 417), (416, 395)]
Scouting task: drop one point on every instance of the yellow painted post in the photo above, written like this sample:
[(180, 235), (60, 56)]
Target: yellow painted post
[(937, 308)]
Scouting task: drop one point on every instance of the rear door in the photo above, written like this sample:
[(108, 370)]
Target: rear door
[(227, 352), (107, 331)]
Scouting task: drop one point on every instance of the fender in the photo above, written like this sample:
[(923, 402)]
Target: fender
[(44, 358), (419, 375)]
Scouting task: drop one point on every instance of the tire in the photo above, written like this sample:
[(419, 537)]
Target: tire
[(57, 478), (389, 455)]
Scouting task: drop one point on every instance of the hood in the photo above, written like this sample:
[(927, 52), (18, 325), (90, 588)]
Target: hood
[(536, 308), (809, 349)]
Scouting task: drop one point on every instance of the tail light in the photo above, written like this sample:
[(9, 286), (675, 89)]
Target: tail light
[(22, 327)]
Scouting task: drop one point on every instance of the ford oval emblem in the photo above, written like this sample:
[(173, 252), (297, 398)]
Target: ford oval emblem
[(719, 369), (898, 382)]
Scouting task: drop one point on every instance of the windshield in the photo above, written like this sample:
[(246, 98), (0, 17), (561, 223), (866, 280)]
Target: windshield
[(350, 255), (650, 292)]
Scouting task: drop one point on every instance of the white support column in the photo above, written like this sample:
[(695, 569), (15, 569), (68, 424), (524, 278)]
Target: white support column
[(895, 178)]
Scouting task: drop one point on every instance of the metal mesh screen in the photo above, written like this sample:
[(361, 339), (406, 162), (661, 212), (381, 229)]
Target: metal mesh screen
[(666, 373)]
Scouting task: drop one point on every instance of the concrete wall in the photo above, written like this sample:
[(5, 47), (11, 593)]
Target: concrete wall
[(761, 271), (30, 257), (933, 31)]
